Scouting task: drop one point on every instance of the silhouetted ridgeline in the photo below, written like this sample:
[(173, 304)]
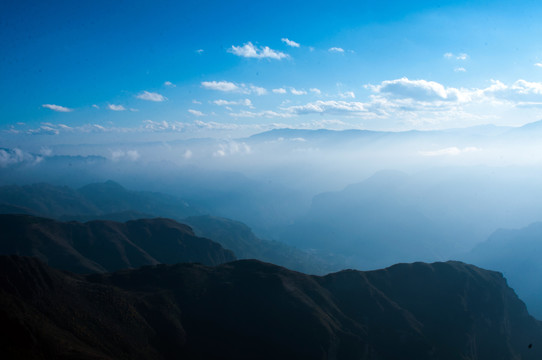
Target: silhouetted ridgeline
[(99, 246), (252, 310)]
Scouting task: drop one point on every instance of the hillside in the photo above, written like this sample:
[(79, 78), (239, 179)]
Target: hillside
[(248, 309), (99, 246)]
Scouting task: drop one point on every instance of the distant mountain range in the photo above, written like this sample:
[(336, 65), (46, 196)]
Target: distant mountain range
[(111, 201), (517, 254), (97, 199), (252, 310)]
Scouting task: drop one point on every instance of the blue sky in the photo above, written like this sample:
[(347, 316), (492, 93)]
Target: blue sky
[(69, 67)]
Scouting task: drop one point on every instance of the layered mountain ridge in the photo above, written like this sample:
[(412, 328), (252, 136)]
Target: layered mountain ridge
[(99, 246)]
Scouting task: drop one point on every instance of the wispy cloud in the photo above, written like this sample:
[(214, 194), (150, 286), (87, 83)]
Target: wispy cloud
[(279, 91), (461, 56), (196, 112), (290, 42), (131, 155), (420, 90), (347, 95), (538, 64), (460, 69), (116, 107), (57, 108), (200, 51), (298, 92), (336, 50), (244, 102), (169, 84), (15, 156), (248, 50), (450, 151), (232, 148), (151, 96), (331, 106), (315, 90), (225, 86), (265, 113), (258, 90)]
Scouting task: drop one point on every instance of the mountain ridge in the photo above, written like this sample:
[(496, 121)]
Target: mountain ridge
[(249, 309)]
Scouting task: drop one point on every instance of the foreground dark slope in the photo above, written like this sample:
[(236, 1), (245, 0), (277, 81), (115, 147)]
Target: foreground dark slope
[(252, 310), (99, 246)]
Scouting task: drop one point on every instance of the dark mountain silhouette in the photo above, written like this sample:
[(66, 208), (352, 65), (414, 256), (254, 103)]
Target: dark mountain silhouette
[(252, 310), (515, 253), (106, 245)]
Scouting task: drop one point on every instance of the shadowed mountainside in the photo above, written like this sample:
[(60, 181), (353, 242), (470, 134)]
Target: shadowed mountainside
[(99, 246), (248, 309)]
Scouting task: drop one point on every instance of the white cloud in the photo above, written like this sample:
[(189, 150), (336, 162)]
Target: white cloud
[(336, 49), (265, 113), (315, 90), (244, 102), (329, 106), (131, 155), (151, 96), (258, 90), (460, 69), (290, 42), (538, 64), (279, 91), (450, 151), (187, 154), (298, 92), (15, 156), (419, 90), (461, 56), (199, 51), (232, 148), (196, 102), (221, 102), (225, 86), (248, 50), (116, 107), (57, 108), (95, 106), (196, 112), (348, 95), (169, 84)]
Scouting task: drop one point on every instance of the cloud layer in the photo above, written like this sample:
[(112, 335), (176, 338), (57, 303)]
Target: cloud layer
[(248, 50), (151, 96), (57, 108)]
